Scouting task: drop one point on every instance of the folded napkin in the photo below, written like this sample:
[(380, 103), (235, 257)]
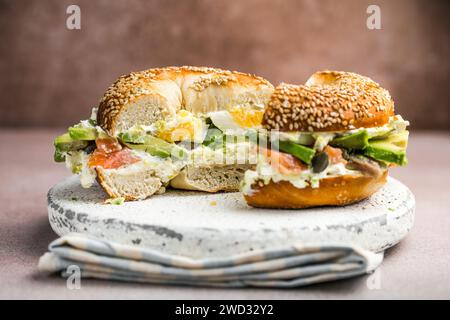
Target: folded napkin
[(288, 267)]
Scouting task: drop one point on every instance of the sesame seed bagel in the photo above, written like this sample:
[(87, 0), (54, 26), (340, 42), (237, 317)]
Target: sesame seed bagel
[(336, 191), (141, 98), (329, 101)]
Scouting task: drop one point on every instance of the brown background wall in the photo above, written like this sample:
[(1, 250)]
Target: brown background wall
[(51, 76)]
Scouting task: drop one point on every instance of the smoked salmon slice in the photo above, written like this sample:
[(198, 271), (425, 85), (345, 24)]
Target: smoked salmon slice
[(111, 155), (283, 162)]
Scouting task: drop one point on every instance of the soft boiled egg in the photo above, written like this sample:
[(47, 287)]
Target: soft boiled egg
[(184, 127), (237, 118)]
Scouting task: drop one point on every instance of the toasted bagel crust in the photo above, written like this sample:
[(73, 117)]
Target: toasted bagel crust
[(329, 101), (166, 90), (337, 191)]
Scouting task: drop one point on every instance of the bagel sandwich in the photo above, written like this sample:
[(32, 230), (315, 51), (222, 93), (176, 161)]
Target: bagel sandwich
[(332, 142), (173, 126)]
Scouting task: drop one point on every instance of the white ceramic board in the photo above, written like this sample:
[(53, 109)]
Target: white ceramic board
[(211, 225)]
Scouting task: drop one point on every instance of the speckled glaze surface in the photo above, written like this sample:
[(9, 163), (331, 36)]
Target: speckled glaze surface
[(211, 225)]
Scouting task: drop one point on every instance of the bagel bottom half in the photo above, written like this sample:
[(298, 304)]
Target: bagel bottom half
[(141, 184), (336, 191), (212, 178), (131, 186)]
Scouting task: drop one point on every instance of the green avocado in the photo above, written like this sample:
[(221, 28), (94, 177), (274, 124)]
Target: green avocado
[(214, 138), (59, 155), (132, 137), (356, 141), (301, 152), (398, 139), (82, 133), (381, 135), (64, 143), (157, 147), (387, 153), (392, 149)]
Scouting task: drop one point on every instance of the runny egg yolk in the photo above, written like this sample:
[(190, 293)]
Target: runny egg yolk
[(247, 118), (184, 127)]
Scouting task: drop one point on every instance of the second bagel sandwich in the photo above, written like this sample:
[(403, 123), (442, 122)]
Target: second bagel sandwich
[(335, 139)]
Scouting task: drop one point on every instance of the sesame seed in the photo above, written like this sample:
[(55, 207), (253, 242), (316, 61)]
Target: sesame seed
[(323, 107), (127, 88)]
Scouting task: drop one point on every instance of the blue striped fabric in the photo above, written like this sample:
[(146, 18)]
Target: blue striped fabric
[(287, 267)]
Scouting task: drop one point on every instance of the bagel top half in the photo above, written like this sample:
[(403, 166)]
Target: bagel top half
[(329, 101), (141, 98)]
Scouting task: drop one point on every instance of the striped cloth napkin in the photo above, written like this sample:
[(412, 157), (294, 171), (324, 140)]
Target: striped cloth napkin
[(288, 267)]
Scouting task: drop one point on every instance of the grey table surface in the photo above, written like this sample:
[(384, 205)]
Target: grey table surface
[(418, 267)]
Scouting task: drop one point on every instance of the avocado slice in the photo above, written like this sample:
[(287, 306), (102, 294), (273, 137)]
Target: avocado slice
[(382, 135), (59, 155), (392, 149), (157, 147), (355, 141), (386, 152), (154, 151), (132, 137), (399, 139), (301, 152), (82, 133), (214, 138), (64, 143)]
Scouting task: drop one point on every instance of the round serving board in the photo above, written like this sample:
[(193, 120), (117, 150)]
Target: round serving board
[(211, 225)]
